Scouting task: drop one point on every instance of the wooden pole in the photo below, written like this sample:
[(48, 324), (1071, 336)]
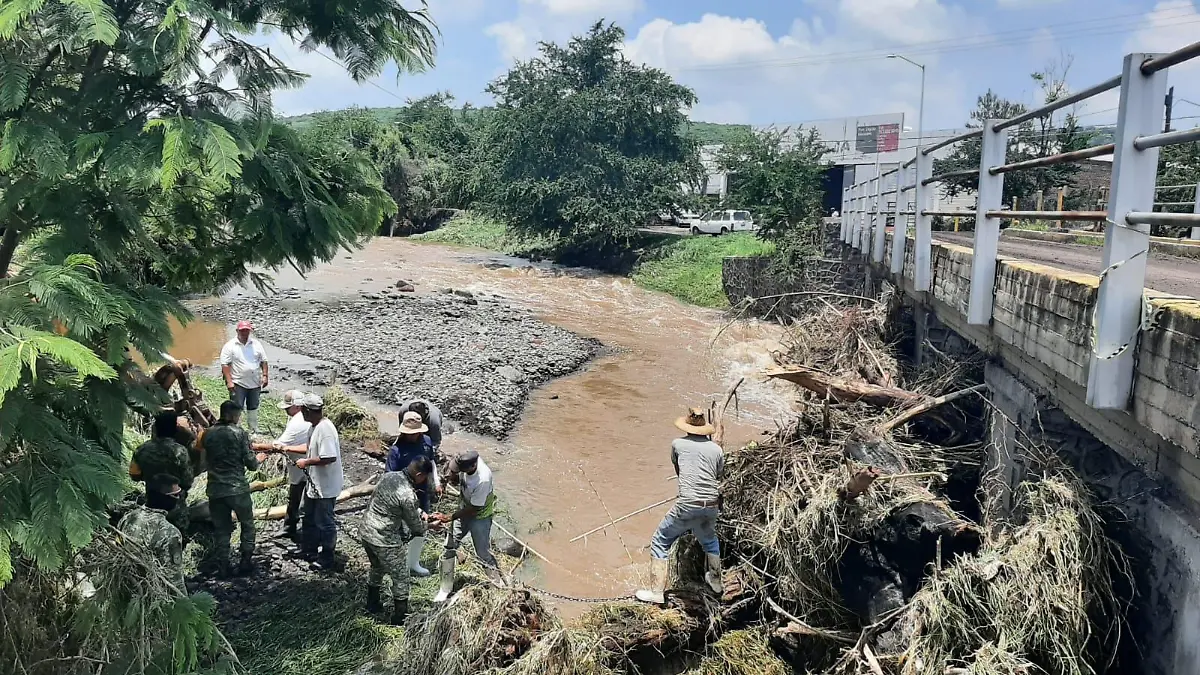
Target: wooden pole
[(927, 406)]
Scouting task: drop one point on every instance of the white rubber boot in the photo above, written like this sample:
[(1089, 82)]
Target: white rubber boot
[(252, 421), (658, 583), (447, 569), (714, 576), (415, 546)]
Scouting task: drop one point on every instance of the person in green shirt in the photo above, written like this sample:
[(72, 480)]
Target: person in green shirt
[(162, 455), (227, 447)]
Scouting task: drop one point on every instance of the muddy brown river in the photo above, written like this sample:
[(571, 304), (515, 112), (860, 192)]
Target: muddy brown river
[(594, 445)]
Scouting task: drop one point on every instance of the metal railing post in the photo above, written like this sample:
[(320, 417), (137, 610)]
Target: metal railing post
[(987, 230), (862, 216), (842, 215), (1196, 209), (879, 240), (853, 213), (864, 243), (1123, 279), (899, 224), (848, 214), (923, 274)]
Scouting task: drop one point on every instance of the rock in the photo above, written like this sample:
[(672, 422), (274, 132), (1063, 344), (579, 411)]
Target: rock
[(511, 374), (405, 286)]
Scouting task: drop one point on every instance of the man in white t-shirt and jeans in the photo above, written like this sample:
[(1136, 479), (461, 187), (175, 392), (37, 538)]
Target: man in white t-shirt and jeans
[(477, 505), (244, 366), (294, 440), (325, 479)]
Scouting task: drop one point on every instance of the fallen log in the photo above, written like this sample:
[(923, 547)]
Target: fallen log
[(843, 390), (352, 492)]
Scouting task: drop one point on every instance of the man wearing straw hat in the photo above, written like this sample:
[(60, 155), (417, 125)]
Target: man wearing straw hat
[(700, 465), (413, 442)]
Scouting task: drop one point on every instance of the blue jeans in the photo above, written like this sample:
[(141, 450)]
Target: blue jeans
[(319, 528), (702, 522), (480, 530), (247, 398)]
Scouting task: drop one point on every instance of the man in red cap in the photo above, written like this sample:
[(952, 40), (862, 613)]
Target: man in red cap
[(244, 365)]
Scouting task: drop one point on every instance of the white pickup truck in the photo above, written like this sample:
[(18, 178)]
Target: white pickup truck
[(722, 222)]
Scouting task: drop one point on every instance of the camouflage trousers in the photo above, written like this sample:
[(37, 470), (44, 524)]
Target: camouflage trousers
[(223, 509), (391, 561)]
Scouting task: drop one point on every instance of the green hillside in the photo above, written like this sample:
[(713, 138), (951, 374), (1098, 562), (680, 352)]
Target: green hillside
[(705, 133)]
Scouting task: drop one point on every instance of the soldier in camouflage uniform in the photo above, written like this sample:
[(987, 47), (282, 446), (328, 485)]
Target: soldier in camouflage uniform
[(149, 526), (162, 455), (227, 447), (392, 519)]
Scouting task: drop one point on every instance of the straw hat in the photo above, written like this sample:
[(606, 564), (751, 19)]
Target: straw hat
[(695, 422), (412, 424)]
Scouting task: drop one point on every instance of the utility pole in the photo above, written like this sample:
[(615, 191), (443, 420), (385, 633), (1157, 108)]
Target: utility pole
[(1170, 103)]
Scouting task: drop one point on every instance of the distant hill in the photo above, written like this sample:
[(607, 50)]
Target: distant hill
[(705, 133)]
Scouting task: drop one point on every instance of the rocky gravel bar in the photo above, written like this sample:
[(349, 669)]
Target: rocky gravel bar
[(476, 357)]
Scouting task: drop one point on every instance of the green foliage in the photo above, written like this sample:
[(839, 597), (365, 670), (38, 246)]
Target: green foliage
[(584, 145), (777, 174), (690, 268), (710, 133), (1040, 137), (479, 231), (138, 155), (1178, 165)]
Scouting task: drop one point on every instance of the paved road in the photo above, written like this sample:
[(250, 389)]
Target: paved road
[(1168, 274)]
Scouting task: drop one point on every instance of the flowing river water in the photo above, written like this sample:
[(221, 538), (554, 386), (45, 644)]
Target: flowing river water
[(591, 446)]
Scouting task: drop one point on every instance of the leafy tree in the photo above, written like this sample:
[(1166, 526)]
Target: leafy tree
[(138, 151), (584, 145), (777, 175), (1040, 137)]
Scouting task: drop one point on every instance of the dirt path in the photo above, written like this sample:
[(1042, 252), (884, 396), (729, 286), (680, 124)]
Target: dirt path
[(1179, 276)]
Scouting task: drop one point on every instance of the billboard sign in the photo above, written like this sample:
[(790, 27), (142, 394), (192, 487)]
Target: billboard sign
[(860, 140)]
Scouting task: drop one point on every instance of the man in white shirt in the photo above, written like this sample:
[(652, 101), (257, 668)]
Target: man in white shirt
[(474, 516), (325, 480), (294, 440), (244, 366)]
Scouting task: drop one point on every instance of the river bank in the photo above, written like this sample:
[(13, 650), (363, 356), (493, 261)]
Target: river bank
[(593, 441), (474, 355), (687, 268)]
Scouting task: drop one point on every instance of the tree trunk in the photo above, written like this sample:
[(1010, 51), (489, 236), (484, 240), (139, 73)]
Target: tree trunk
[(8, 246), (845, 391)]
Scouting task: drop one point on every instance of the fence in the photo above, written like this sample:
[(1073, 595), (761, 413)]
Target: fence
[(1129, 215)]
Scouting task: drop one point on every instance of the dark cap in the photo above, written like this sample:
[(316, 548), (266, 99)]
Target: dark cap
[(468, 458)]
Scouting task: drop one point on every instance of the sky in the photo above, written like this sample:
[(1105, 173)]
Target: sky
[(786, 62)]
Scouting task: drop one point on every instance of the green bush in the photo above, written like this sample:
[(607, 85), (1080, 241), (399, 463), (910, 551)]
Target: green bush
[(689, 268)]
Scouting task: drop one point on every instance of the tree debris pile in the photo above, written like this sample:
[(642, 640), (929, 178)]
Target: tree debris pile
[(866, 543)]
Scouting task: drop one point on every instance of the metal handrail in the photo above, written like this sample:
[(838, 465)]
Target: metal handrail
[(1051, 160), (1168, 138), (950, 214), (1048, 215), (950, 174), (1176, 57), (1158, 218), (951, 141), (1104, 86)]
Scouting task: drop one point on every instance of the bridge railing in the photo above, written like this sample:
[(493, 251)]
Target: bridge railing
[(1129, 215)]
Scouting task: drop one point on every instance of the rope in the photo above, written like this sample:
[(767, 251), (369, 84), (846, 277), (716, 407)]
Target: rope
[(1147, 321)]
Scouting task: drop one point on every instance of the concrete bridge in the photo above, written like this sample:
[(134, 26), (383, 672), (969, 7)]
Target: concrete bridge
[(1145, 460)]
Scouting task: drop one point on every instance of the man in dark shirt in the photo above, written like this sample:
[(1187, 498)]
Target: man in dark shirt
[(227, 447), (163, 455), (413, 442), (430, 416)]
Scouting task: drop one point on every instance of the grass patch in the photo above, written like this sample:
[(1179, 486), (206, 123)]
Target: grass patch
[(477, 231), (689, 268), (1031, 225)]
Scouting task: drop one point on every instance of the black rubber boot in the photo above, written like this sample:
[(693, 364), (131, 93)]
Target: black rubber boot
[(399, 612), (327, 562), (374, 605), (223, 569), (246, 565)]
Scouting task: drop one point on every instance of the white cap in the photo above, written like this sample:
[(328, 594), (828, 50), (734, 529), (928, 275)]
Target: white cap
[(291, 398), (313, 401)]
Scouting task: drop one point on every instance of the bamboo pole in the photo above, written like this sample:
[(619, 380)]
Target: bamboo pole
[(627, 516)]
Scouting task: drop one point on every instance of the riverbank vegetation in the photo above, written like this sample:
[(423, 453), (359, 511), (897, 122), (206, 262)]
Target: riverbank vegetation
[(140, 157)]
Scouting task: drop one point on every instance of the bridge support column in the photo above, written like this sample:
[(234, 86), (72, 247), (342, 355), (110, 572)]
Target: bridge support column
[(923, 274)]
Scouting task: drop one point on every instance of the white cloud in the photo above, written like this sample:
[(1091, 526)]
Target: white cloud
[(735, 64), (444, 11), (1170, 25), (588, 7), (1026, 4), (516, 40)]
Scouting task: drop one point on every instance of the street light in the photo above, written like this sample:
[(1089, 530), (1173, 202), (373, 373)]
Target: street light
[(921, 110)]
